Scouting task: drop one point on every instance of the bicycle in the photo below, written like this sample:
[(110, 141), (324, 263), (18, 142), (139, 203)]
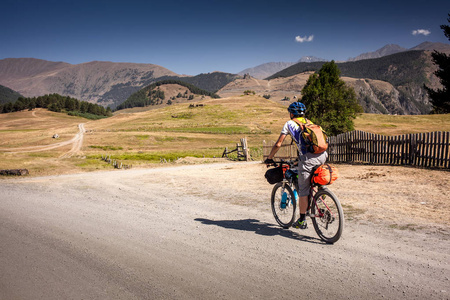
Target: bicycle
[(324, 207)]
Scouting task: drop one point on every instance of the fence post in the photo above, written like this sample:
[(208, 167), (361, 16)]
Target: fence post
[(245, 149)]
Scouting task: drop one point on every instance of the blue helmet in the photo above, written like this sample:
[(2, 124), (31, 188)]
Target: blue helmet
[(297, 108)]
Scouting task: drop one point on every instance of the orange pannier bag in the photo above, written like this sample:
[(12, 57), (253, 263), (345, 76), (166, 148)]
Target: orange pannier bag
[(325, 174)]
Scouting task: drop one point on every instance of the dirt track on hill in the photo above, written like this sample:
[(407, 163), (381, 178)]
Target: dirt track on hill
[(76, 142), (207, 232)]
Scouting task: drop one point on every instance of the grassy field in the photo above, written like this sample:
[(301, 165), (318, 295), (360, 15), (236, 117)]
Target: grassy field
[(398, 125), (143, 138)]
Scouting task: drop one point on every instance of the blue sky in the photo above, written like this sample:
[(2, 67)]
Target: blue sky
[(193, 37)]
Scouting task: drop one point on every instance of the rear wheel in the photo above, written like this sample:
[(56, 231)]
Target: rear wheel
[(283, 204), (328, 216)]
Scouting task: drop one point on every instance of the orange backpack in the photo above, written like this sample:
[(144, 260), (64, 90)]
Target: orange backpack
[(325, 174), (313, 135)]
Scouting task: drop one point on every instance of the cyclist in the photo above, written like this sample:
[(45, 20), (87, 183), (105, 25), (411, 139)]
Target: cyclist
[(307, 160)]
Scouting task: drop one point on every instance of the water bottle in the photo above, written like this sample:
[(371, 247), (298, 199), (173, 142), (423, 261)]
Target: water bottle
[(283, 200), (295, 195)]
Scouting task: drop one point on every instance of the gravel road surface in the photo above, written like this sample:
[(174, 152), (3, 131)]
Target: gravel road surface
[(202, 232)]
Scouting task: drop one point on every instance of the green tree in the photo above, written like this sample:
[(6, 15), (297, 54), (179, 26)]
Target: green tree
[(440, 99), (329, 102)]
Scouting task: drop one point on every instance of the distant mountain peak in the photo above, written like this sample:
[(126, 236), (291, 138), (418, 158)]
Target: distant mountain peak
[(310, 59), (430, 46), (383, 51)]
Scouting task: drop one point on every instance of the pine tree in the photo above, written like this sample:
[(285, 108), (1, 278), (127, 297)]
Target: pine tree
[(440, 99), (329, 102)]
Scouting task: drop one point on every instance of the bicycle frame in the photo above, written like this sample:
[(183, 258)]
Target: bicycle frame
[(314, 188)]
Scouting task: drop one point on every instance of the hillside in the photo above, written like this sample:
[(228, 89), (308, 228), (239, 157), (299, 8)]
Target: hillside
[(8, 95), (277, 88), (265, 70), (375, 96), (166, 92), (211, 82), (99, 82), (407, 72)]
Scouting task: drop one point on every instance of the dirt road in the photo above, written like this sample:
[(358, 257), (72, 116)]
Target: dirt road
[(76, 142), (206, 232)]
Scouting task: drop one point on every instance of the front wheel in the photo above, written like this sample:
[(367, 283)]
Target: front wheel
[(328, 216), (283, 204)]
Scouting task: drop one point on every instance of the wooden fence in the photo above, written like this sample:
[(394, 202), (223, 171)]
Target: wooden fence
[(287, 151), (428, 150), (241, 150)]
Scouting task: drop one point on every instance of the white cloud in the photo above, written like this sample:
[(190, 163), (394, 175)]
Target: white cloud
[(300, 39), (421, 31)]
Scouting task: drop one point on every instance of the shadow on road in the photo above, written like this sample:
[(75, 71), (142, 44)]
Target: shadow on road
[(260, 228)]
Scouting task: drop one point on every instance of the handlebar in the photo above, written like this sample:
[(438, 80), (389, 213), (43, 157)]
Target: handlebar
[(281, 162)]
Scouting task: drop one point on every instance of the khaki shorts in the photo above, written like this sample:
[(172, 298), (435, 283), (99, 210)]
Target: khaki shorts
[(306, 163)]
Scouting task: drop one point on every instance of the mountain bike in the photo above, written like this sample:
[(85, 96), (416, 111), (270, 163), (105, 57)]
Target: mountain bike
[(324, 207)]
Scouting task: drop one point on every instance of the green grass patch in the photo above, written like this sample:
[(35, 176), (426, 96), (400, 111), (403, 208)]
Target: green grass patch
[(86, 115), (41, 154), (185, 115), (256, 153), (105, 148), (156, 157), (142, 137), (171, 138), (91, 163)]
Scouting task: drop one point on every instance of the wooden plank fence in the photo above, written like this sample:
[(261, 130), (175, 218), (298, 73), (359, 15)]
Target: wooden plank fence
[(242, 151), (287, 151), (427, 150)]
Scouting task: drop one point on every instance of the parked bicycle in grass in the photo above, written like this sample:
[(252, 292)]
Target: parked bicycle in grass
[(323, 208)]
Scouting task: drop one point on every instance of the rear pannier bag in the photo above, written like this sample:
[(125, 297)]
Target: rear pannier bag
[(274, 175), (325, 174)]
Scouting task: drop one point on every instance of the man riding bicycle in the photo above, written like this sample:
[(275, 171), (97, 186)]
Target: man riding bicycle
[(307, 160)]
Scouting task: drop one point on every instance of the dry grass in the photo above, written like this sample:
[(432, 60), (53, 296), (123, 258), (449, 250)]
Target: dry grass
[(141, 137), (398, 125)]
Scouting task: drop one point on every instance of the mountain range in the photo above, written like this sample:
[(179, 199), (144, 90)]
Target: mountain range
[(267, 69), (110, 84)]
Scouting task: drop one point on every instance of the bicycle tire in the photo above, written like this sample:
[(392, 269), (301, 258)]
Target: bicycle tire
[(328, 220), (283, 216)]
